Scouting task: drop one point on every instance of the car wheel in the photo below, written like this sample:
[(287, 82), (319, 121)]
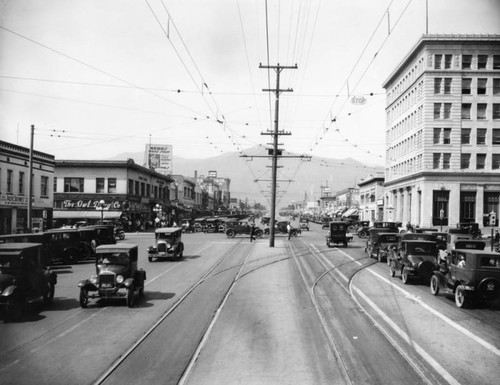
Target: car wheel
[(150, 259), (122, 236), (362, 234), (392, 272), (258, 234), (461, 298), (49, 296), (231, 233), (404, 276), (70, 257), (84, 297), (14, 309), (434, 285), (130, 296)]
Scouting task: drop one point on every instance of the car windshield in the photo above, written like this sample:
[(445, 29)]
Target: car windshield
[(113, 259), (422, 248), (166, 237)]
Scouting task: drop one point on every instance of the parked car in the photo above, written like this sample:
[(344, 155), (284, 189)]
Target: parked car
[(469, 228), (234, 228), (363, 227), (471, 275), (168, 244), (338, 234), (281, 228), (187, 225), (23, 277), (118, 229), (42, 238), (199, 225), (117, 275), (372, 242), (384, 243), (304, 224), (96, 235), (68, 246), (414, 258)]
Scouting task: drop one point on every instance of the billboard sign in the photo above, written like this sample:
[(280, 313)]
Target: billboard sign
[(159, 157)]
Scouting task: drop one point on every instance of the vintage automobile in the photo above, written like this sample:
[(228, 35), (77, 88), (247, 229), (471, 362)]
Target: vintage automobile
[(23, 277), (372, 242), (471, 275), (414, 258), (187, 225), (117, 275), (168, 244), (67, 246), (384, 244), (304, 224), (363, 227), (469, 228), (281, 228), (234, 228), (338, 234), (118, 229)]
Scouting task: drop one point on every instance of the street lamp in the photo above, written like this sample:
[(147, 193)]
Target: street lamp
[(158, 210), (100, 206)]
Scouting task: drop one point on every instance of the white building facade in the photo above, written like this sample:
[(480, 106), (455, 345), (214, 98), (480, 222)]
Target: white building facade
[(443, 132)]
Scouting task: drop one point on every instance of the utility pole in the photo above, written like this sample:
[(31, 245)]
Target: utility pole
[(30, 182), (277, 91)]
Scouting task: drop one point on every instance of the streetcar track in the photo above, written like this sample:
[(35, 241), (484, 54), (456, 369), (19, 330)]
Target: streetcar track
[(349, 289), (192, 362), (134, 346), (37, 341), (329, 335)]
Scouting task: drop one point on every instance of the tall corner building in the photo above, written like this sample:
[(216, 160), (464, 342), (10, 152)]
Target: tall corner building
[(443, 132)]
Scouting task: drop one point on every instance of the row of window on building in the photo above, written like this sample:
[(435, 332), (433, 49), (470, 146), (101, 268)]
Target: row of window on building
[(22, 183), (442, 161), (445, 61), (108, 185)]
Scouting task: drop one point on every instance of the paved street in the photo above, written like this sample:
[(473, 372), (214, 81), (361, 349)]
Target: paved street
[(238, 312)]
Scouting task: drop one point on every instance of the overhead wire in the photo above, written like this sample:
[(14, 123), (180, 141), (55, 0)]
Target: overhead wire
[(81, 62)]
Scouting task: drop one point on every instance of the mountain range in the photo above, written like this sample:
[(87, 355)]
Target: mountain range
[(298, 178)]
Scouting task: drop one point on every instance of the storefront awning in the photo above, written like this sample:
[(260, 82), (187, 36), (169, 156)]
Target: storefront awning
[(350, 212), (95, 214)]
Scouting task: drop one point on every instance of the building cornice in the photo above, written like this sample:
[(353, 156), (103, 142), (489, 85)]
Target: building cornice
[(445, 38)]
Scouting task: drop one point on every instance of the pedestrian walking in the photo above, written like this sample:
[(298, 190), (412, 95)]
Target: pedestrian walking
[(252, 230), (289, 230)]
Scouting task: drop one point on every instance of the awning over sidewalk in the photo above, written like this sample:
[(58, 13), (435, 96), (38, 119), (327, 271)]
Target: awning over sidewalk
[(90, 214), (350, 212)]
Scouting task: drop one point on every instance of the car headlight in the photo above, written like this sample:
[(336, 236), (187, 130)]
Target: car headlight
[(169, 245), (119, 279), (93, 279)]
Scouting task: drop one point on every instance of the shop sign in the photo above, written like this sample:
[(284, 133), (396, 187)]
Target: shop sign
[(90, 204), (13, 200)]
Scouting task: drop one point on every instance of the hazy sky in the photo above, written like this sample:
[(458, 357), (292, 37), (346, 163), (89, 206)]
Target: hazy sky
[(102, 77)]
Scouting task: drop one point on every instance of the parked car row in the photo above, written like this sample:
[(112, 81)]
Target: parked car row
[(66, 245), (453, 262)]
